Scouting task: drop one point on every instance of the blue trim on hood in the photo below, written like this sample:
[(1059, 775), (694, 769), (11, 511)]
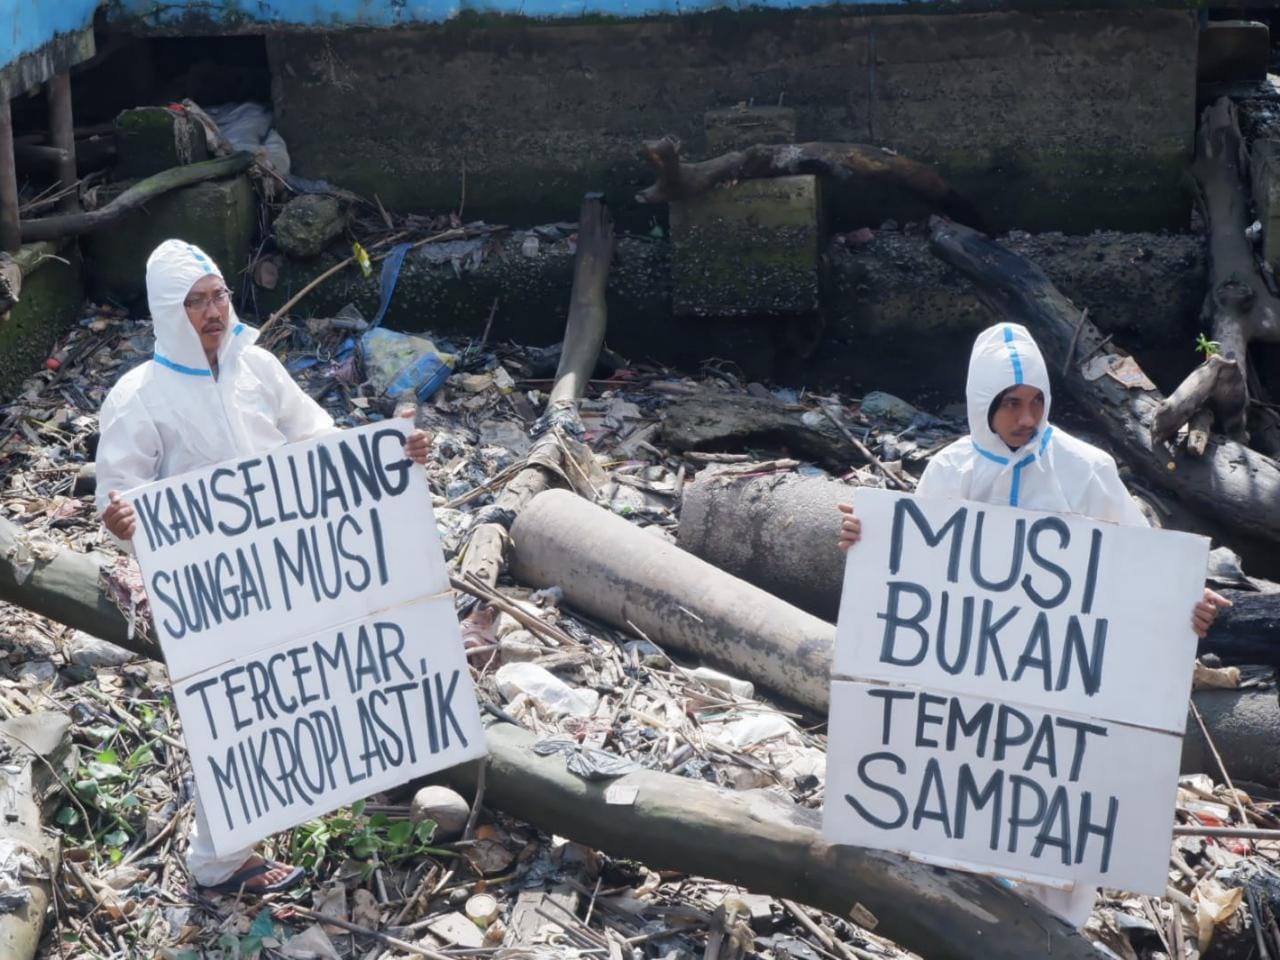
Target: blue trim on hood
[(191, 371), (1015, 485), (179, 368), (1013, 355), (993, 457)]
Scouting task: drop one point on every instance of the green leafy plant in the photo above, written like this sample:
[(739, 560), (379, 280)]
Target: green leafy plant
[(263, 932), (1210, 348), (374, 839)]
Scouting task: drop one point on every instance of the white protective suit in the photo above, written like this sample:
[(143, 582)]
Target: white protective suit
[(171, 415), (1052, 471)]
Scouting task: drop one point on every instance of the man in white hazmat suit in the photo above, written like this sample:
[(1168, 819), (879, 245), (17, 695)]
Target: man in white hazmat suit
[(207, 395), (1013, 456)]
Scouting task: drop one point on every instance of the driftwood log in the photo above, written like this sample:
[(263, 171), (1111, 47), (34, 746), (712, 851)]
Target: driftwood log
[(64, 585), (1239, 306), (1232, 485), (721, 421), (874, 166), (75, 224), (42, 759), (485, 551), (772, 847)]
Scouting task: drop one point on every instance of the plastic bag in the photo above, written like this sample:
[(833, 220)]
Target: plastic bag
[(398, 363)]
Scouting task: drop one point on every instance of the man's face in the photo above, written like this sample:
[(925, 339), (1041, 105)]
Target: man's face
[(208, 305), (1018, 415)]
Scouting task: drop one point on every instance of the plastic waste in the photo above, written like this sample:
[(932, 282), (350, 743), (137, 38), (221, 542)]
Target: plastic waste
[(552, 695), (399, 363), (586, 762), (722, 681)]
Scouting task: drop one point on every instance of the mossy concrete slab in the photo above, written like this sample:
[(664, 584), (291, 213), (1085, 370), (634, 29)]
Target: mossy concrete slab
[(749, 249), (152, 139), (219, 216), (52, 292)]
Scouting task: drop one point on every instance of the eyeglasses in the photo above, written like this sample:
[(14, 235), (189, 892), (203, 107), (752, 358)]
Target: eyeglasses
[(199, 303)]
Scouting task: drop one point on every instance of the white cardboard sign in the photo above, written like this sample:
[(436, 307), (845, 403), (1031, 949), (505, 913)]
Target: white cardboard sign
[(994, 657), (996, 787), (246, 552), (301, 601), (312, 724)]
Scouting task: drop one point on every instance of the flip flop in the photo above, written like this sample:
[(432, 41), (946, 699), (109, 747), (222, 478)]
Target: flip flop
[(233, 883)]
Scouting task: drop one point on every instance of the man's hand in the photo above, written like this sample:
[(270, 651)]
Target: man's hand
[(1206, 611), (417, 446), (119, 517), (850, 527)]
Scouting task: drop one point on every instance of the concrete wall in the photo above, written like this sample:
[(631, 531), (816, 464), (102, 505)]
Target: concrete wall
[(41, 37), (1064, 120)]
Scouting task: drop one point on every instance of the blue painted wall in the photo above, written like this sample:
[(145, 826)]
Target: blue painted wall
[(390, 13), (27, 25)]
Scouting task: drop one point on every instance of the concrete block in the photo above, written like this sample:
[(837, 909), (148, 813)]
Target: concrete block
[(1265, 174), (744, 126), (752, 249), (151, 139), (52, 291), (1234, 51), (219, 216)]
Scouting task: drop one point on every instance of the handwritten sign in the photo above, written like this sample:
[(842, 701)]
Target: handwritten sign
[(301, 601), (1009, 690)]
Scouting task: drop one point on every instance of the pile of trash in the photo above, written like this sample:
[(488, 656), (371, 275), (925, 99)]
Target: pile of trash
[(426, 875)]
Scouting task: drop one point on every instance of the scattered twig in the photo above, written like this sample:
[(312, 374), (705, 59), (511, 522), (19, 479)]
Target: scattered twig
[(865, 451), (1075, 335)]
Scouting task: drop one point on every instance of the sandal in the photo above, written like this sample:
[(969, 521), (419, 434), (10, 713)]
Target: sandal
[(234, 883)]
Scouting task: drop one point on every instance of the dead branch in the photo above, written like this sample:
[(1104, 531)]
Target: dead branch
[(74, 224), (486, 548), (1239, 304), (840, 161)]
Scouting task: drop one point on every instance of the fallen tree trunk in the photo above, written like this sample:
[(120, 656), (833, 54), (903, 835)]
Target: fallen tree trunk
[(1245, 727), (1231, 484), (486, 547), (63, 585), (615, 571), (772, 847), (75, 224), (43, 757), (1241, 307), (719, 421), (874, 166)]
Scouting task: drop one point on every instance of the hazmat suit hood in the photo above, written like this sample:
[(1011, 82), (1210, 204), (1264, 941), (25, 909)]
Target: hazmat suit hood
[(173, 269), (1052, 471), (1004, 356)]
